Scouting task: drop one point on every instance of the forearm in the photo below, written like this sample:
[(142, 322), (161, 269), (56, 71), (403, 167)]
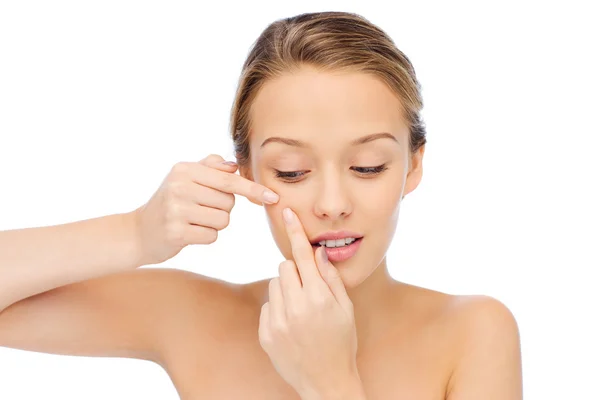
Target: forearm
[(35, 260)]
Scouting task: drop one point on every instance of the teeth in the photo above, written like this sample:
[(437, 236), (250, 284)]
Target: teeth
[(337, 243)]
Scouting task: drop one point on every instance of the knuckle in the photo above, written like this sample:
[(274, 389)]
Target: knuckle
[(274, 285), (230, 202), (297, 313), (179, 168), (280, 327), (286, 266), (173, 211), (223, 219), (264, 308), (213, 158), (211, 236), (319, 300), (228, 182), (265, 339), (176, 188)]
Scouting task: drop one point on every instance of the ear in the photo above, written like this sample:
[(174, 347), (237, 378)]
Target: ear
[(416, 171), (246, 172)]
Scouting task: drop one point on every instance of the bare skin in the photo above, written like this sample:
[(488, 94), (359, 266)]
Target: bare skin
[(412, 349), (413, 342), (416, 366), (203, 332)]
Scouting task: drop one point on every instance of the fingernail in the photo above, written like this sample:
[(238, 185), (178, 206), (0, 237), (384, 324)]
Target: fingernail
[(230, 163), (288, 217), (323, 256), (270, 197)]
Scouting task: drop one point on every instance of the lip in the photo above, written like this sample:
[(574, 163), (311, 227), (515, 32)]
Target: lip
[(335, 235), (339, 254)]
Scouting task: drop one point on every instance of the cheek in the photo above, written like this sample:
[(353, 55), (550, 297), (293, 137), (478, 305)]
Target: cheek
[(277, 226), (382, 203)]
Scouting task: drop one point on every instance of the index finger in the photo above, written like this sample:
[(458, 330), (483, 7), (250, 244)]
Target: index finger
[(301, 249), (233, 183)]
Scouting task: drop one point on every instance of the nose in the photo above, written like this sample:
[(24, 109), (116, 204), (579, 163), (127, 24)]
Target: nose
[(333, 200)]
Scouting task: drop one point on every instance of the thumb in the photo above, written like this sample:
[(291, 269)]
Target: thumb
[(332, 277)]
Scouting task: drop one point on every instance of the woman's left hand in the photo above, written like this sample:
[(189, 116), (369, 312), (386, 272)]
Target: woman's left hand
[(307, 327)]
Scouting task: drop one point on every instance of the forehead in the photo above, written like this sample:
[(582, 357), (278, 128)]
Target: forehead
[(312, 102)]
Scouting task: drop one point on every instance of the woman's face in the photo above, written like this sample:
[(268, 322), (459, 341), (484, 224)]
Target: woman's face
[(310, 143)]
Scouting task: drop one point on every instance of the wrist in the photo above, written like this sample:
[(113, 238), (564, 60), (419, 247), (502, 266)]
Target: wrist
[(132, 227)]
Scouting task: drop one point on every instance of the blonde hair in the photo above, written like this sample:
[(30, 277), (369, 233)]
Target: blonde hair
[(329, 41)]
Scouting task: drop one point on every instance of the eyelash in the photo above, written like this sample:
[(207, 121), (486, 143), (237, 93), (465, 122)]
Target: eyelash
[(293, 176)]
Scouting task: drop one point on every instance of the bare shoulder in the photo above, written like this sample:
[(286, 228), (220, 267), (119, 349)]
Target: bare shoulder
[(194, 296), (476, 340), (487, 362), (206, 321), (187, 309), (481, 312), (186, 283), (176, 291), (464, 315), (178, 305)]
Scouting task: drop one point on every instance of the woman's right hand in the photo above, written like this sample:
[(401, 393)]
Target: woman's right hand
[(192, 204)]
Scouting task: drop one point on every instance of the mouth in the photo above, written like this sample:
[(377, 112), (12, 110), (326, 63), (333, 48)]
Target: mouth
[(340, 249)]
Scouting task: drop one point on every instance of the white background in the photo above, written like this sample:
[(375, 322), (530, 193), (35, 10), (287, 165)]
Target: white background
[(99, 99)]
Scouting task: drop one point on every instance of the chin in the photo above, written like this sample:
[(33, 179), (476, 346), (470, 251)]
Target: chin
[(354, 271), (351, 280)]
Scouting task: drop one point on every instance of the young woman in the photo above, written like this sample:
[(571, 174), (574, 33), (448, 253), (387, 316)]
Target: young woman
[(329, 139)]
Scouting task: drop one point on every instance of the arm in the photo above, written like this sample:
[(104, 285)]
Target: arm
[(74, 289), (35, 260), (190, 207), (134, 314), (489, 360)]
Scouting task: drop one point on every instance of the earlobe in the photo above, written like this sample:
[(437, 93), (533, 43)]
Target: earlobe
[(414, 176)]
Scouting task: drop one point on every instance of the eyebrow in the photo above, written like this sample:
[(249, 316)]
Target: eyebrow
[(361, 140)]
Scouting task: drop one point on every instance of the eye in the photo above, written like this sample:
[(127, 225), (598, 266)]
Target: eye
[(370, 170), (290, 176), (296, 176)]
